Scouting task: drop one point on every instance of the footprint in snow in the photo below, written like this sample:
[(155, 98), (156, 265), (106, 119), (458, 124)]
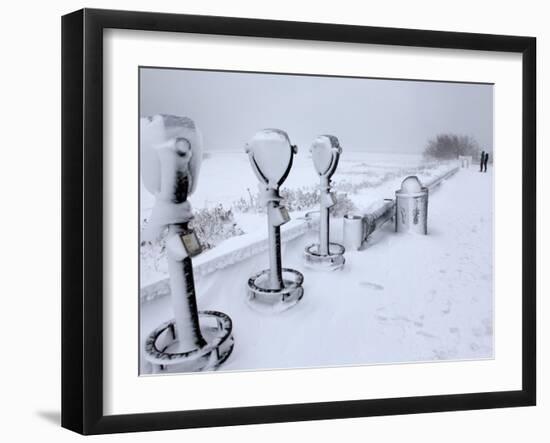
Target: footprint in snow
[(477, 332), (425, 334), (371, 285), (431, 296), (447, 309)]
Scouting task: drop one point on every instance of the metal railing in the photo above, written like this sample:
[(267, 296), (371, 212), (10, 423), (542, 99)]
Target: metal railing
[(374, 220)]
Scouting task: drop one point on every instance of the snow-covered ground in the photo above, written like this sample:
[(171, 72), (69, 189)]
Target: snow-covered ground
[(404, 298), (226, 177)]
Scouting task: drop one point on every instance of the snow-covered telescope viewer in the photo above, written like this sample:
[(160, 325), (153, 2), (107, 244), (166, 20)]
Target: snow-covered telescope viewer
[(325, 152), (171, 155), (271, 155)]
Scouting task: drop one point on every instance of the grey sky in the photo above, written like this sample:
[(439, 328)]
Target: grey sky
[(365, 114)]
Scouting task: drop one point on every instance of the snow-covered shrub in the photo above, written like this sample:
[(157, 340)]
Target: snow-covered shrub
[(298, 199), (213, 225), (252, 203), (344, 205), (373, 180), (151, 256)]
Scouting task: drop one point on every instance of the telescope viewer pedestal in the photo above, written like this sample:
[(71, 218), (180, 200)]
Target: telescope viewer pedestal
[(263, 298), (331, 261), (162, 345)]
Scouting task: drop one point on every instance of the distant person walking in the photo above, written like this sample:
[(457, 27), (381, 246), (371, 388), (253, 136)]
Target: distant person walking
[(485, 160), (481, 161)]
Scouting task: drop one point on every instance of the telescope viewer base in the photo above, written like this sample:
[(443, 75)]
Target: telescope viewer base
[(332, 261), (161, 346), (262, 298)]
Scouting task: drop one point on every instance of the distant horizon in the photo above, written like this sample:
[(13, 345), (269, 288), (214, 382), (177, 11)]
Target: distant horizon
[(366, 113), (242, 151)]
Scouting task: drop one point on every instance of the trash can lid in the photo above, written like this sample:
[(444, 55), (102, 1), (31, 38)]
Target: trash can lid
[(411, 185)]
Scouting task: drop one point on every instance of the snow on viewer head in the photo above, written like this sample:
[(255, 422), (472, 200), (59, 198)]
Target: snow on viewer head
[(168, 131), (325, 150), (271, 154)]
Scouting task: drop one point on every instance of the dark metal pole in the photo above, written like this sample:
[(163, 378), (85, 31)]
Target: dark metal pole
[(274, 232), (324, 222), (184, 301)]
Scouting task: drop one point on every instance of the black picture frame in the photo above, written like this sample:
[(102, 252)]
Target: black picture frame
[(82, 219)]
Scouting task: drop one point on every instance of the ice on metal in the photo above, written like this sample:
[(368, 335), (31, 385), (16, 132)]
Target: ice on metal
[(271, 154), (325, 152), (171, 149), (411, 207)]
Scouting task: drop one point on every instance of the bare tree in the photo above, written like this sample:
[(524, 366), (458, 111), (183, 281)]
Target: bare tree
[(450, 146)]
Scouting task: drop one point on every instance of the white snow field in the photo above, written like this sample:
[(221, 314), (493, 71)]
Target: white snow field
[(402, 298), (226, 177)]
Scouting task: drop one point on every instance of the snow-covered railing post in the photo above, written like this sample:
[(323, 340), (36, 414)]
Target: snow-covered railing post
[(325, 152), (277, 288), (465, 161), (171, 157)]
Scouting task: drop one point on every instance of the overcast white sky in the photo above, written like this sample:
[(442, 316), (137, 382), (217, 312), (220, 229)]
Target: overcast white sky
[(365, 114)]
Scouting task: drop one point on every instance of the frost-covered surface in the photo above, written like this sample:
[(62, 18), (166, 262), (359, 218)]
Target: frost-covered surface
[(227, 180), (227, 253), (404, 298)]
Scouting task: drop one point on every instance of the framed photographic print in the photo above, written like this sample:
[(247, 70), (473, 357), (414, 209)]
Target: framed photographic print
[(269, 221)]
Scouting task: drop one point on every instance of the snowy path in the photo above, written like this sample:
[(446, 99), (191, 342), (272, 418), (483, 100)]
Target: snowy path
[(403, 298)]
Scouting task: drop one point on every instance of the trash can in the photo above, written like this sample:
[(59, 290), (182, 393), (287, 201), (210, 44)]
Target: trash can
[(411, 210)]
